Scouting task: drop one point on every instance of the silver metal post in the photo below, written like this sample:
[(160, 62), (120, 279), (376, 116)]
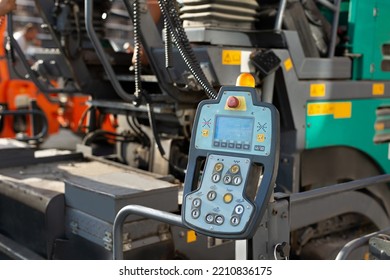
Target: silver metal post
[(279, 16), (328, 4), (335, 26)]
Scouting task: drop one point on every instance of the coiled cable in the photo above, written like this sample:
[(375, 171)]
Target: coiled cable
[(175, 28)]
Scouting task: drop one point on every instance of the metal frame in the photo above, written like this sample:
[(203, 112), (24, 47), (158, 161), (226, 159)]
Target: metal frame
[(88, 6), (16, 251), (335, 8)]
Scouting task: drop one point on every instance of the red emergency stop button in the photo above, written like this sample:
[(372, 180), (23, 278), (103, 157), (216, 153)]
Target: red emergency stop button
[(233, 102)]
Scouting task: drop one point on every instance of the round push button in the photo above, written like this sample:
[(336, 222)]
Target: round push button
[(227, 179), (237, 180), (218, 167), (233, 102), (195, 213), (216, 177), (227, 198), (209, 218), (235, 221), (219, 220), (211, 195), (197, 202), (239, 209), (235, 168)]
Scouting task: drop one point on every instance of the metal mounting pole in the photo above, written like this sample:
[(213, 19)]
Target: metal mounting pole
[(335, 26), (280, 14)]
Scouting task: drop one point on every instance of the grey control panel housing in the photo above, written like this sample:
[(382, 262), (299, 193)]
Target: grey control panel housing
[(233, 160)]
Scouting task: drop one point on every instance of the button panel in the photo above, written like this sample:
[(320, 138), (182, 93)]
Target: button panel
[(219, 204), (232, 145)]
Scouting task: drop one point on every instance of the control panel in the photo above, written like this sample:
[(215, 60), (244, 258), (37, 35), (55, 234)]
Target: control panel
[(233, 162)]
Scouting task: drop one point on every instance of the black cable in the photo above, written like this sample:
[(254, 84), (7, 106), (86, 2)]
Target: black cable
[(143, 138), (107, 135), (175, 167), (139, 92), (180, 38), (137, 53), (81, 120), (152, 123)]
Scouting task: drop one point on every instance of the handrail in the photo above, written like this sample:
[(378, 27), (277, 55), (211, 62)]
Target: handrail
[(145, 212), (357, 243), (339, 188)]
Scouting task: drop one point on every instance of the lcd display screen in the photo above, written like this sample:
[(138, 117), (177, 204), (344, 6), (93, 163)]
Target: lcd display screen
[(233, 129)]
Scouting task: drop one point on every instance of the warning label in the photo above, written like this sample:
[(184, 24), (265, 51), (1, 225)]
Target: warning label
[(339, 110), (231, 57)]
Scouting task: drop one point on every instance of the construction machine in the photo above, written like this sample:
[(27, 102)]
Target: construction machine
[(25, 113), (290, 162)]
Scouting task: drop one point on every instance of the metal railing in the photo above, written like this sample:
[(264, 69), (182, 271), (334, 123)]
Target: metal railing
[(145, 212)]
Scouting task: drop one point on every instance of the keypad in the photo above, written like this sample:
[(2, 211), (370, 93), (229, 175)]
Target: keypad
[(220, 197)]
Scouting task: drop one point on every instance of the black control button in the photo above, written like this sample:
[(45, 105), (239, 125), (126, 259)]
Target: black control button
[(216, 144), (231, 145), (237, 180), (239, 209), (219, 220), (197, 202), (195, 213), (259, 148), (234, 221), (227, 179), (246, 146), (216, 177), (209, 218), (211, 195), (223, 144), (239, 146)]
